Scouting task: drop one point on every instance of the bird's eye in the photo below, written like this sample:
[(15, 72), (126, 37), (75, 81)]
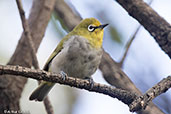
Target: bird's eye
[(91, 28)]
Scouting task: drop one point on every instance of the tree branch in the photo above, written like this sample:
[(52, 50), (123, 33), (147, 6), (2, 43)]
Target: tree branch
[(27, 33), (123, 95), (66, 16), (128, 46), (153, 92), (135, 103), (12, 87), (159, 28), (48, 106), (115, 76)]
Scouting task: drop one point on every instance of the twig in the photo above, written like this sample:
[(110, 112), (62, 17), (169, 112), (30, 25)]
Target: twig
[(157, 26), (130, 42), (153, 92), (27, 33), (35, 63), (48, 105), (128, 46), (125, 96)]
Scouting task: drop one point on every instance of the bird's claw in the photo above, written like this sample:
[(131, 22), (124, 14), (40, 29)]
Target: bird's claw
[(90, 81), (63, 74)]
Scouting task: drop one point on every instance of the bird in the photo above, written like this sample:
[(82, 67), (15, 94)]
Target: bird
[(77, 55)]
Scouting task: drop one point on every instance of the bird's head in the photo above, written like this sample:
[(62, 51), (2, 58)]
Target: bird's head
[(91, 29)]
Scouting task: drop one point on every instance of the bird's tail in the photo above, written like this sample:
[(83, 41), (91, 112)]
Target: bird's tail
[(41, 92)]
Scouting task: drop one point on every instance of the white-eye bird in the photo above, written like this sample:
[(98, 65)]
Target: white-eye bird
[(78, 55)]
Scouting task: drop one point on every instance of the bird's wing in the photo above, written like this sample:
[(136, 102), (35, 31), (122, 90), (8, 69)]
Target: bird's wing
[(55, 52)]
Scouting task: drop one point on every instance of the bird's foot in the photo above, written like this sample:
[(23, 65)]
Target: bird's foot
[(90, 81), (63, 74)]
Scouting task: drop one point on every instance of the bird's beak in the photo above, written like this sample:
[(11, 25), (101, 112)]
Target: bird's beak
[(103, 26)]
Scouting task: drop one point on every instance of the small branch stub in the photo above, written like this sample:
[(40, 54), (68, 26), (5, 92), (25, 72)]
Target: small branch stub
[(153, 92)]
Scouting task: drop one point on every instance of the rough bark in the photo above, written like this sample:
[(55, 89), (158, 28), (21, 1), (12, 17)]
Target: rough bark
[(130, 98), (152, 93), (27, 33), (157, 26), (126, 97), (12, 87)]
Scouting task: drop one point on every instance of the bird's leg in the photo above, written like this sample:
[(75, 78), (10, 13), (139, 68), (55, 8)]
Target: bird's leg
[(90, 79), (63, 74)]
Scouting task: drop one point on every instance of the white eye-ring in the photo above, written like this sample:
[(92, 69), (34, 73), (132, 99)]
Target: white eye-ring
[(91, 28)]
